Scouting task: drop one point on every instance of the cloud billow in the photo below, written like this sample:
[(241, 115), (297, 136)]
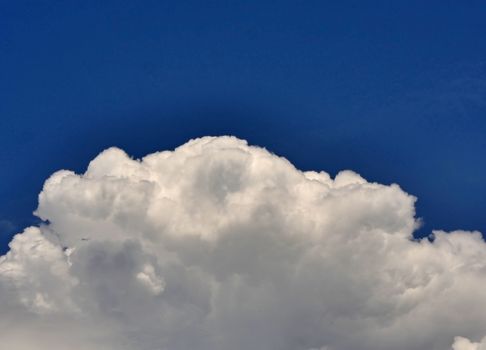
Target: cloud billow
[(219, 245)]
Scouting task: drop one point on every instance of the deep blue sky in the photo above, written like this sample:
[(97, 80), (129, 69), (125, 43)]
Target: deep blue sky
[(395, 90)]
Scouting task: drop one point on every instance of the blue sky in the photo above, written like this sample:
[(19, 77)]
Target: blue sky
[(395, 91)]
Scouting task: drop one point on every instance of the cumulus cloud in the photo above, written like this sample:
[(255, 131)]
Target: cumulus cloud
[(219, 245)]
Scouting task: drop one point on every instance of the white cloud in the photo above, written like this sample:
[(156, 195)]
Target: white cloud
[(461, 343), (219, 245)]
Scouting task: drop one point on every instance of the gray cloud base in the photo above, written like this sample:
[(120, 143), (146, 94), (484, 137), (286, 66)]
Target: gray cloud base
[(220, 245)]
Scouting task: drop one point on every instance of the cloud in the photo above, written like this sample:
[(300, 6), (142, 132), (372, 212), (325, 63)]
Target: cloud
[(219, 245), (461, 343)]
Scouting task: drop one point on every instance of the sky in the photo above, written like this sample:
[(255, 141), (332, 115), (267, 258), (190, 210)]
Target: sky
[(393, 90), (355, 96)]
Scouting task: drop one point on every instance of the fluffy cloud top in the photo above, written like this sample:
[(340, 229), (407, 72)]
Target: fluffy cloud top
[(218, 245)]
